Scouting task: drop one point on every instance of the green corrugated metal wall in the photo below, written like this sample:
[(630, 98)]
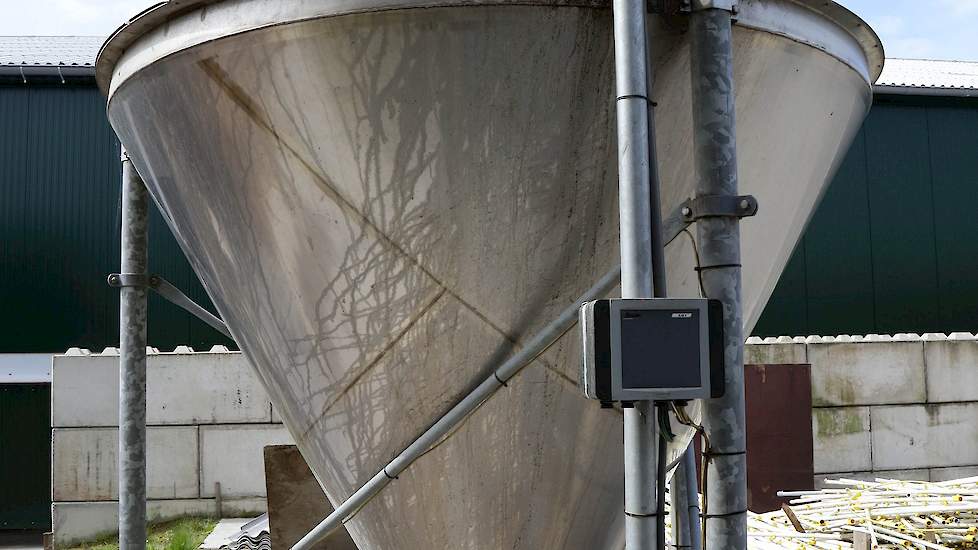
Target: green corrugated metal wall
[(59, 200), (25, 457), (893, 245)]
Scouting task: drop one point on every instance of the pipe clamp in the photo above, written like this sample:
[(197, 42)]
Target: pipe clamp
[(121, 280), (718, 206)]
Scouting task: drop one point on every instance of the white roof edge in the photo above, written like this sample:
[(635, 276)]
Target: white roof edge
[(49, 51), (907, 75)]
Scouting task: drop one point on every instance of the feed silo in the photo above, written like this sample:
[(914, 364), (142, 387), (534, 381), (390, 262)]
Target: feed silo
[(386, 198)]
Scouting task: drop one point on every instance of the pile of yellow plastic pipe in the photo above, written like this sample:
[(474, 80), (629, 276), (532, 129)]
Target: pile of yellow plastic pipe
[(891, 514)]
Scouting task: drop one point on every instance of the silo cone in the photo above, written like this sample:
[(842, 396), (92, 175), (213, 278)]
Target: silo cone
[(386, 198)]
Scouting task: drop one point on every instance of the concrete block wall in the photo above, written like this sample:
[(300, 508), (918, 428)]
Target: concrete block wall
[(208, 419), (901, 406)]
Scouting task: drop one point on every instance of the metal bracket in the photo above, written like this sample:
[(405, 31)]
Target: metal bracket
[(718, 206), (122, 280), (700, 5), (171, 294)]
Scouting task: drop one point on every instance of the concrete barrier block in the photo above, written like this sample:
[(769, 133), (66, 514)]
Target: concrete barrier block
[(775, 354), (84, 390), (841, 439), (952, 370), (947, 474), (204, 388), (79, 522), (191, 388), (85, 463), (925, 436), (233, 456), (875, 373)]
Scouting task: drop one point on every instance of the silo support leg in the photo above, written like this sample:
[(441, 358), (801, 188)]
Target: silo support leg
[(715, 158), (132, 363)]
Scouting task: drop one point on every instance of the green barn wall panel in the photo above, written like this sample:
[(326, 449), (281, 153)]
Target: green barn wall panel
[(59, 214), (25, 457), (902, 219), (787, 310), (954, 165), (838, 252), (892, 246), (13, 168)]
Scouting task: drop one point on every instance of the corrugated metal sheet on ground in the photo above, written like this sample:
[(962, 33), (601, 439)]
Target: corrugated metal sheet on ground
[(253, 535)]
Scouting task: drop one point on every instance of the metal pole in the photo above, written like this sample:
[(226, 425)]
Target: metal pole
[(688, 470), (715, 154), (685, 504), (684, 491), (631, 75), (132, 363)]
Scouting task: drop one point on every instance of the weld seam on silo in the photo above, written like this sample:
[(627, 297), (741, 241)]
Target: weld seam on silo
[(445, 426), (715, 159), (132, 362)]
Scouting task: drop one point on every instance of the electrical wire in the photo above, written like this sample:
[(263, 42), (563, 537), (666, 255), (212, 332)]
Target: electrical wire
[(705, 454), (696, 254)]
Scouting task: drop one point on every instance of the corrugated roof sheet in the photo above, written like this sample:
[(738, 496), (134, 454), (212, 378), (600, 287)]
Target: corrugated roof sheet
[(49, 51), (927, 73)]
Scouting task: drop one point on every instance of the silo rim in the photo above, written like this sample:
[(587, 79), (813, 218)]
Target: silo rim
[(161, 13)]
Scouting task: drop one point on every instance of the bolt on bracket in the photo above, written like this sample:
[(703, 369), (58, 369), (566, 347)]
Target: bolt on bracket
[(121, 280), (718, 206)]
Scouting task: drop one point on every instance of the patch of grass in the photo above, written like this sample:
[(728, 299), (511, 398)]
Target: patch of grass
[(178, 534)]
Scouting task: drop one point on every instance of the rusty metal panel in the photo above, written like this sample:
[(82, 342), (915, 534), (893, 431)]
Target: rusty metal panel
[(779, 433), (296, 502)]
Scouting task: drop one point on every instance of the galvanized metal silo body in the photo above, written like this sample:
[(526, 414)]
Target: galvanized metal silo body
[(385, 197)]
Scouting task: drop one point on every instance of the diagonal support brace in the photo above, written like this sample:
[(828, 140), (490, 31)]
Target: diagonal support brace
[(171, 294)]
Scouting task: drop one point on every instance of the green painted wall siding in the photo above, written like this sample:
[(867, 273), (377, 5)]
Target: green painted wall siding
[(25, 457), (59, 220), (892, 246)]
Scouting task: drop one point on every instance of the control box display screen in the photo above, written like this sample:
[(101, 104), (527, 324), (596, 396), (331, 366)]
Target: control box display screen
[(660, 348)]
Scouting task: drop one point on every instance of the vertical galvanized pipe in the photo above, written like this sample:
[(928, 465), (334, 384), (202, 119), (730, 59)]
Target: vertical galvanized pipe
[(680, 508), (636, 258), (693, 526), (686, 518), (132, 364), (685, 503), (715, 154)]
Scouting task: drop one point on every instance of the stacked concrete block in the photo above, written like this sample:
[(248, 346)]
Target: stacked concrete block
[(208, 418), (867, 373), (896, 406)]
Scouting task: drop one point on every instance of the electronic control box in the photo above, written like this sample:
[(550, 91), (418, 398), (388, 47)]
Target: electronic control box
[(659, 349)]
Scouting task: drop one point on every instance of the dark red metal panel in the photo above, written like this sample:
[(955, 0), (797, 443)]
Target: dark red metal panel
[(779, 433)]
